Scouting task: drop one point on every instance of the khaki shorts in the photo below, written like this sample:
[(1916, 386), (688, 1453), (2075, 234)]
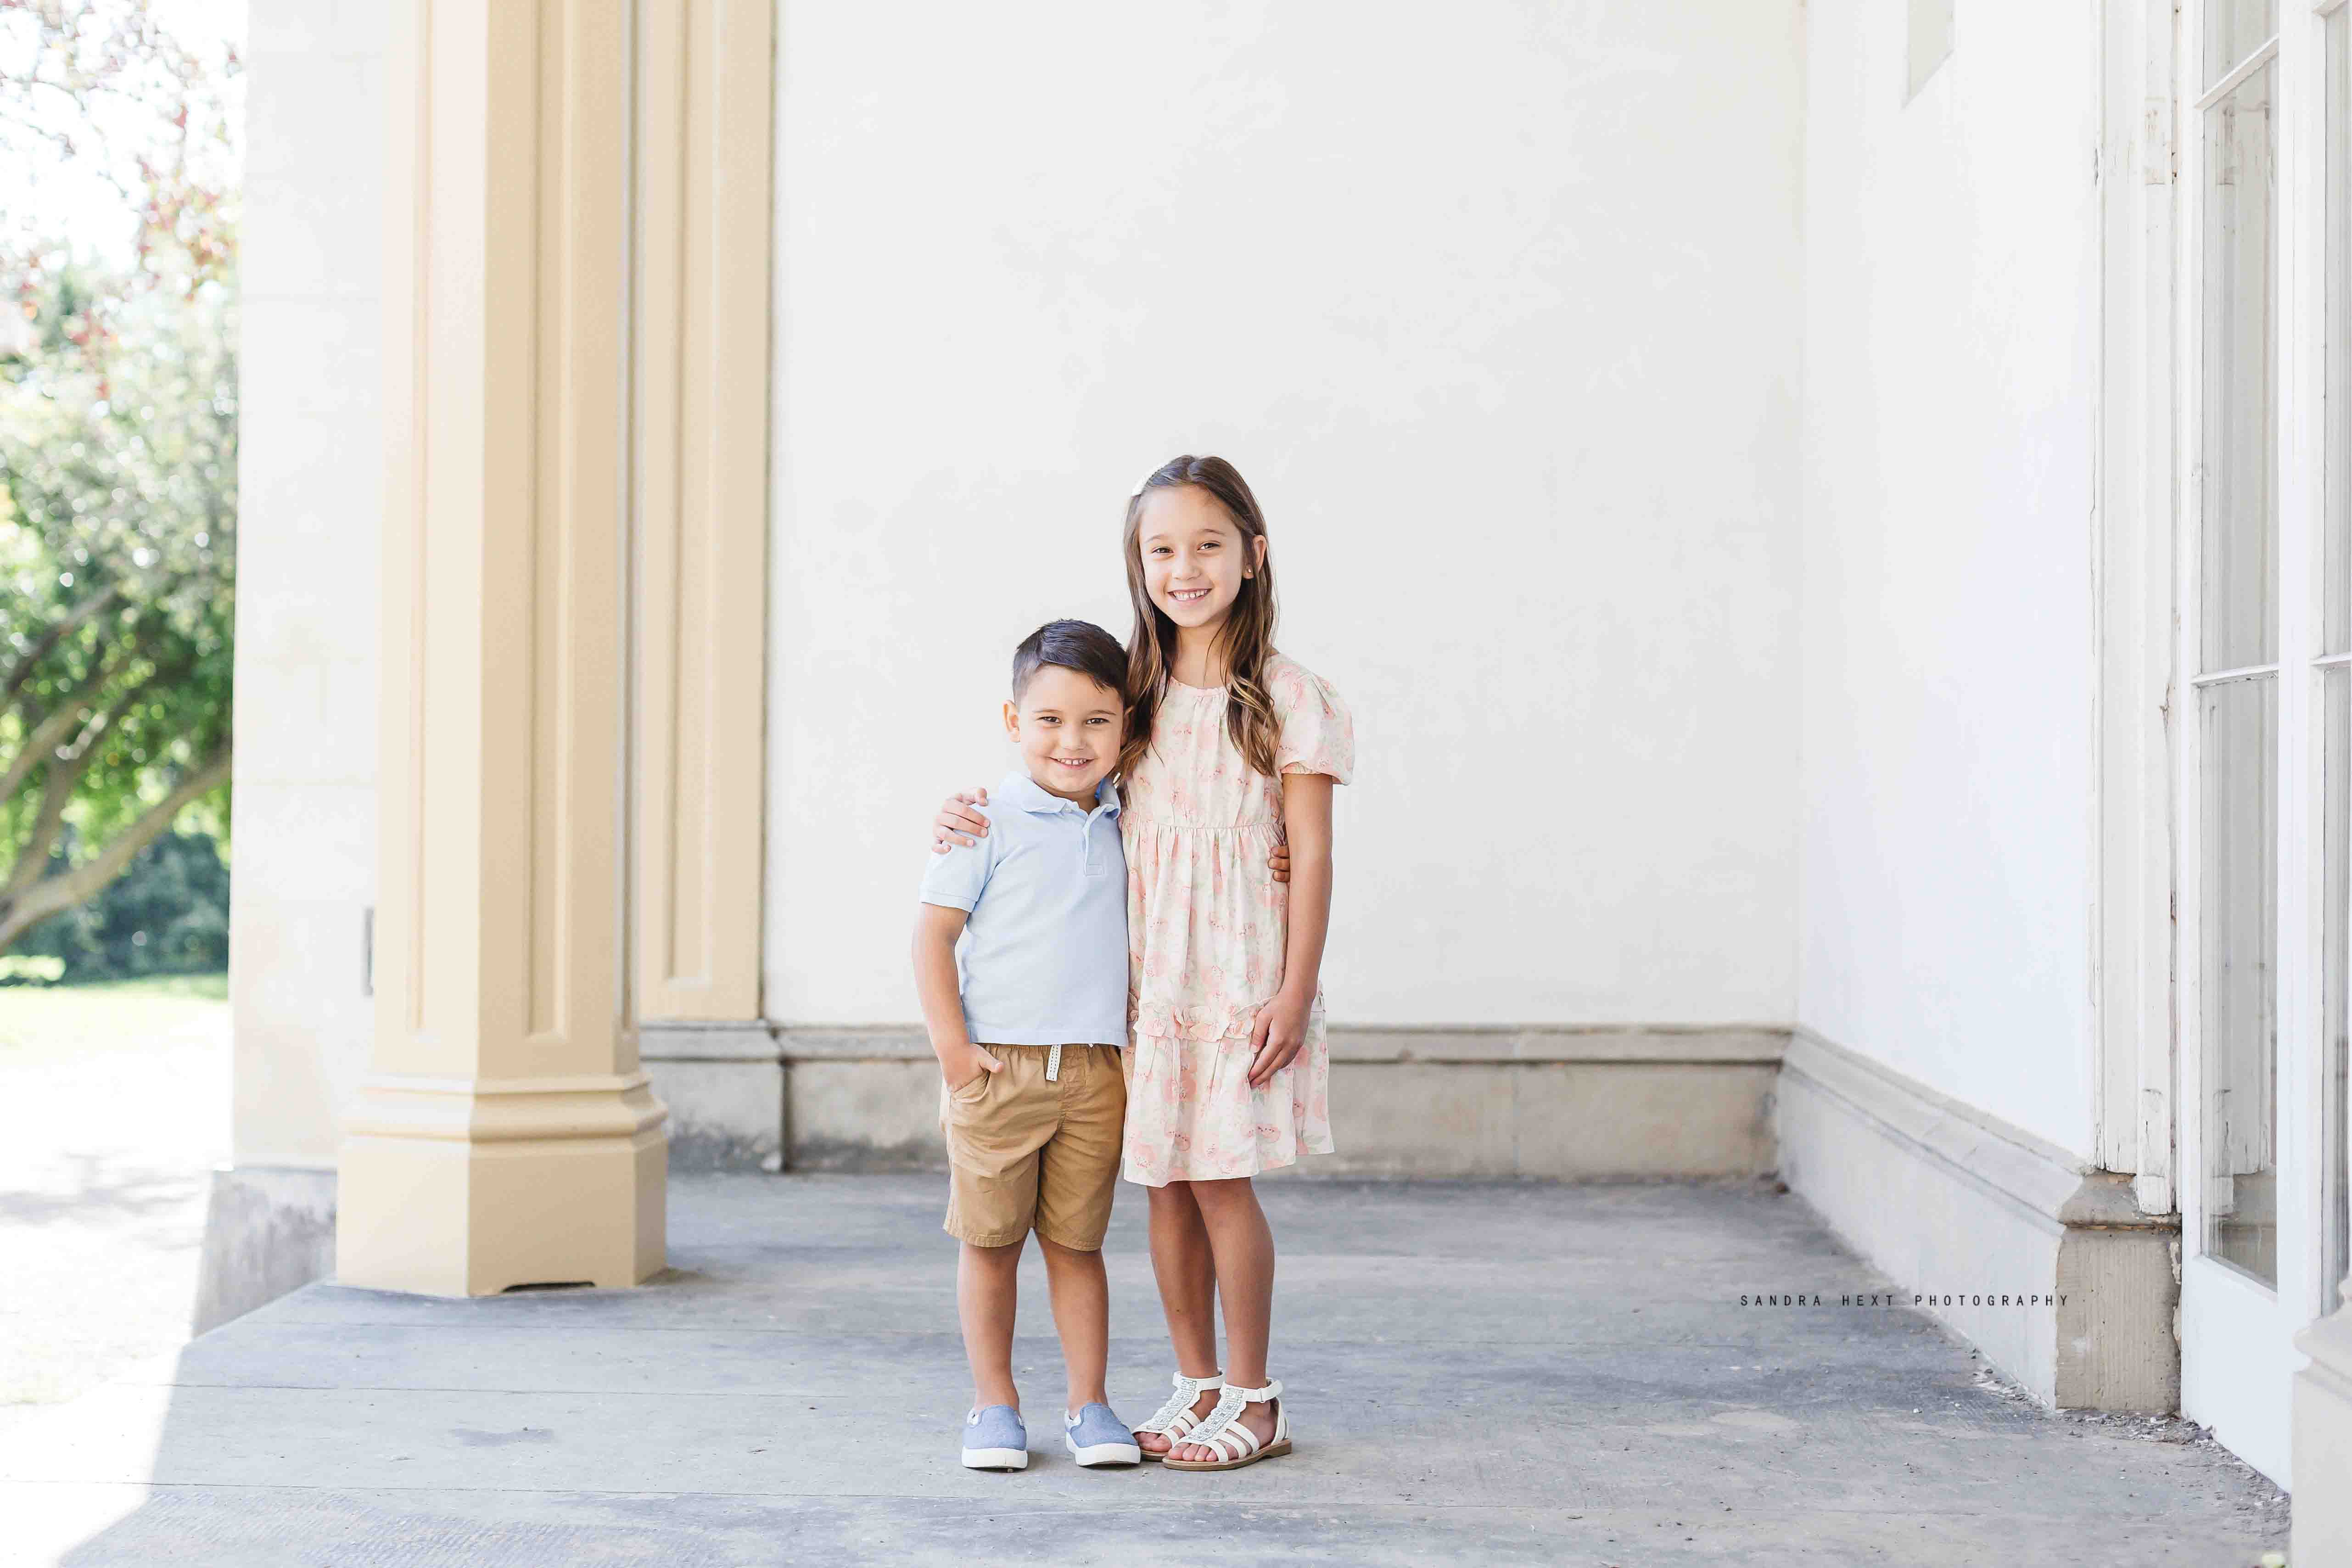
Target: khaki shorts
[(1025, 1152)]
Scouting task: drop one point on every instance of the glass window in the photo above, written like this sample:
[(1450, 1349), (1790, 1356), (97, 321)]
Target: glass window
[(2239, 711), (2235, 30), (2336, 831), (1931, 38), (2335, 892), (2241, 941), (2239, 601)]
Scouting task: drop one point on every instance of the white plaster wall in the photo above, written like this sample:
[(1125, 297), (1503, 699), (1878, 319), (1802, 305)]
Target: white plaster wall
[(310, 482), (1950, 335), (1496, 306)]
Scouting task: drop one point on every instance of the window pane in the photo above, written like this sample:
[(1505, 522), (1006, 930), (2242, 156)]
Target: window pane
[(2235, 30), (2335, 934), (2335, 1054), (1931, 39), (2240, 937), (2239, 601), (2338, 406)]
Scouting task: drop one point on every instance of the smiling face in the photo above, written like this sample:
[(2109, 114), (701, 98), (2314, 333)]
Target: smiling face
[(1194, 556), (1068, 727)]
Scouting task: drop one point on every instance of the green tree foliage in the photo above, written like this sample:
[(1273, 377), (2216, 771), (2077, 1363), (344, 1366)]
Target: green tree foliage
[(118, 518), (167, 914), (118, 458)]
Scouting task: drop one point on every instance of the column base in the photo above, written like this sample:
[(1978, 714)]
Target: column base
[(2323, 1442), (471, 1186)]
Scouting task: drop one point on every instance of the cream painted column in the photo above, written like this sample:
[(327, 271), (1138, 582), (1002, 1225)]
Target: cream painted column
[(706, 131), (504, 1135)]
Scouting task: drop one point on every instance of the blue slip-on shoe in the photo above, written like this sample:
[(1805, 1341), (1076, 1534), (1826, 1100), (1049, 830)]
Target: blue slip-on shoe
[(994, 1439), (1098, 1436)]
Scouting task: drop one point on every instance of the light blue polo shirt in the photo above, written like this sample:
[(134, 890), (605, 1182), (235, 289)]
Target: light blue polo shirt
[(1042, 961)]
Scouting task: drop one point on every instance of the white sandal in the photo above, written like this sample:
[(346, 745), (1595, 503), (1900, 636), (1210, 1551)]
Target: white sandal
[(1175, 1418), (1223, 1434)]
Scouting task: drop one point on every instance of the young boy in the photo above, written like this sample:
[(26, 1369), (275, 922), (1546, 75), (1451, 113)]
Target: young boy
[(1027, 1027)]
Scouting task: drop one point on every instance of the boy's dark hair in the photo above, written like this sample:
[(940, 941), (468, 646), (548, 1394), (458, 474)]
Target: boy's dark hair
[(1081, 646)]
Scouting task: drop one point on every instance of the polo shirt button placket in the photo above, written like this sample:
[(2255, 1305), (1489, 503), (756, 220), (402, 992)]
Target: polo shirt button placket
[(1085, 867)]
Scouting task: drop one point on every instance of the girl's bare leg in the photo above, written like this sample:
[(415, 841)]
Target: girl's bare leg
[(1186, 1268), (1242, 1246)]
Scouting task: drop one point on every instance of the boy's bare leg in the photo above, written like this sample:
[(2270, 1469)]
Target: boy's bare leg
[(1242, 1244), (987, 1290), (1186, 1269), (1081, 1293)]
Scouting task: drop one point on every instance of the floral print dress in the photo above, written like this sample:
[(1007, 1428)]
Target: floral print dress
[(1206, 925)]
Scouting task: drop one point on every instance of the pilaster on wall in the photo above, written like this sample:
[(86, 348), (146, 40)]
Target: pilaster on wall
[(505, 1135), (704, 138), (2133, 571)]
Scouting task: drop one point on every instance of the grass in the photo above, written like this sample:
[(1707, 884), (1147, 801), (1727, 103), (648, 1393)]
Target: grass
[(211, 988), (164, 1010)]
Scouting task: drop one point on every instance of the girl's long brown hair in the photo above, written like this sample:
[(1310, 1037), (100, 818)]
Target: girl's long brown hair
[(1246, 640)]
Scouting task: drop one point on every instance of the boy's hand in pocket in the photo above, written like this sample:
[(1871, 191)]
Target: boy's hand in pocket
[(958, 1068)]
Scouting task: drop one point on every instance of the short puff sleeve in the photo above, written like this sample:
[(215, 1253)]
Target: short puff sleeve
[(1318, 735)]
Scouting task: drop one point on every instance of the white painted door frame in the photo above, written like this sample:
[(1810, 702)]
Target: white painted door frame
[(2236, 1330)]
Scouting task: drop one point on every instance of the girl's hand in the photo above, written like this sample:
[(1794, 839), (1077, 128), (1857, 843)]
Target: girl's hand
[(956, 818), (1277, 1036), (960, 1067), (1280, 862)]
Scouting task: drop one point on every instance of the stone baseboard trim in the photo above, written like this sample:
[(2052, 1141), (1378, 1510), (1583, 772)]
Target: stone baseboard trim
[(694, 1042), (1963, 1209), (1496, 1101), (268, 1230), (1703, 1044)]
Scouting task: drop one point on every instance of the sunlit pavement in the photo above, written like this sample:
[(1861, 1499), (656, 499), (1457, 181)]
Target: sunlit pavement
[(113, 1111)]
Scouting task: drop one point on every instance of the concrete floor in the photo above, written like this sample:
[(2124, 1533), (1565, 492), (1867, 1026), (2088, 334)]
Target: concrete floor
[(1484, 1374)]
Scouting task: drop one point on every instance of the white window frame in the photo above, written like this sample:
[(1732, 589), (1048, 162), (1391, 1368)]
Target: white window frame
[(2236, 1332)]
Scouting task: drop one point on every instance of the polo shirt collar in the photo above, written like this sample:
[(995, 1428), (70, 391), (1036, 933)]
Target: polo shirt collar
[(1019, 789)]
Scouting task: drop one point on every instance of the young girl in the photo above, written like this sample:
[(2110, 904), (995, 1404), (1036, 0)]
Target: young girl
[(1231, 750)]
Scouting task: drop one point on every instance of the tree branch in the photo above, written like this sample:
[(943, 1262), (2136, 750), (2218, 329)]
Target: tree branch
[(46, 738), (49, 740), (18, 915), (49, 639), (57, 794)]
